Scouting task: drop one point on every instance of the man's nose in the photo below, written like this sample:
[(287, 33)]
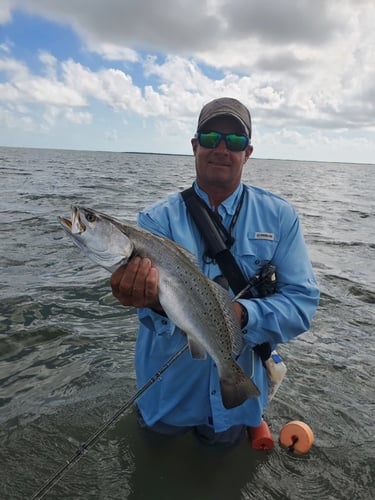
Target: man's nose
[(222, 146)]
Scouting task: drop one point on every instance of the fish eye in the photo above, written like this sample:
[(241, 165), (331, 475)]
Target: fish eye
[(90, 217)]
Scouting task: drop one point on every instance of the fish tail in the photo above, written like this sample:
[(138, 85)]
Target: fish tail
[(236, 390)]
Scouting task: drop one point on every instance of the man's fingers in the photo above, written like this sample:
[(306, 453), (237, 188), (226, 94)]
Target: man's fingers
[(140, 275), (152, 284), (122, 280), (116, 280), (136, 284)]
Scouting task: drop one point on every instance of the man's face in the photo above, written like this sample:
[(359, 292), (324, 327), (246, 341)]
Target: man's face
[(220, 168)]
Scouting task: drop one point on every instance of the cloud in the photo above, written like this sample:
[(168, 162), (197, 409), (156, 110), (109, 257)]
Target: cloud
[(5, 11), (110, 86), (5, 47), (185, 26), (275, 22), (113, 52), (171, 26), (53, 113), (25, 87), (299, 65)]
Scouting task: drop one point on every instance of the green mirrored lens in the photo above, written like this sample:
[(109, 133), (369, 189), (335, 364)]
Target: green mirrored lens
[(236, 142), (209, 139)]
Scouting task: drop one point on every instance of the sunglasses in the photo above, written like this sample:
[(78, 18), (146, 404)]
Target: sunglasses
[(233, 142)]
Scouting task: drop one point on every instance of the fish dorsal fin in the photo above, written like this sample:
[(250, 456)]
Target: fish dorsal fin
[(165, 241), (187, 254)]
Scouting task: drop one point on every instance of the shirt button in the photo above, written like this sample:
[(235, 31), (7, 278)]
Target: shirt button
[(213, 392)]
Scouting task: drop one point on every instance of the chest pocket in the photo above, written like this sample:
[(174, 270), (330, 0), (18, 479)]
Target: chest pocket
[(254, 253)]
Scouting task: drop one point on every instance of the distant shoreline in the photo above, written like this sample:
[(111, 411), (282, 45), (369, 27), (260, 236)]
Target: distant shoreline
[(178, 154)]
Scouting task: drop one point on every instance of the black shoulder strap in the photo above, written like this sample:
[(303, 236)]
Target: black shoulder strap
[(213, 237)]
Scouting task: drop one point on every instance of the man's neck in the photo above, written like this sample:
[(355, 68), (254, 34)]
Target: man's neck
[(217, 194)]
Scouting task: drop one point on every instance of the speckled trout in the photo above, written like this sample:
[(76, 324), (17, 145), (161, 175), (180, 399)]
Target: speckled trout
[(201, 308)]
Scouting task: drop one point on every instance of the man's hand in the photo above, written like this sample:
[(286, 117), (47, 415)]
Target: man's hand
[(136, 284), (239, 311)]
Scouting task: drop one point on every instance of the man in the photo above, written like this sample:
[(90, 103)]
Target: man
[(264, 228)]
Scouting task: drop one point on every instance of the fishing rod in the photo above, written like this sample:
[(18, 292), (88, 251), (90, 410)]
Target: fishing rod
[(84, 447)]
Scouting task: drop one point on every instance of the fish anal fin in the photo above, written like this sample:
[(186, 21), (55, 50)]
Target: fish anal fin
[(197, 351)]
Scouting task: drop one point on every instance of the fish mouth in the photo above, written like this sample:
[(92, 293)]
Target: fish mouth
[(66, 223), (75, 225)]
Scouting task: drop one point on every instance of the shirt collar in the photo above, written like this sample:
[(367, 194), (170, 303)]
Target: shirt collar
[(229, 204)]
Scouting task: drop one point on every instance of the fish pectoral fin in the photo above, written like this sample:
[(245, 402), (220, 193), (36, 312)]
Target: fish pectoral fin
[(197, 351)]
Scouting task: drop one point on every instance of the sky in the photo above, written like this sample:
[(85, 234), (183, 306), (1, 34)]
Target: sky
[(132, 75)]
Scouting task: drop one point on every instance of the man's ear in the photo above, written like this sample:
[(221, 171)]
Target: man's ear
[(248, 152), (194, 144)]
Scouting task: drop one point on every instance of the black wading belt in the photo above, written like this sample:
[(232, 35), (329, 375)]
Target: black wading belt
[(213, 234)]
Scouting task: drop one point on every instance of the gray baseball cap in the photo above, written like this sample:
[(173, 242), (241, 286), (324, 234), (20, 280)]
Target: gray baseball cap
[(225, 106)]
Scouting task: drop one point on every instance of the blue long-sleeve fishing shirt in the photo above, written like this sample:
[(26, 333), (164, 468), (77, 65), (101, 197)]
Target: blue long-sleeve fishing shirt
[(267, 230)]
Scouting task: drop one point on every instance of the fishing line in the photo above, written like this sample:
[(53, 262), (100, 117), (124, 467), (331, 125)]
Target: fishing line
[(84, 447)]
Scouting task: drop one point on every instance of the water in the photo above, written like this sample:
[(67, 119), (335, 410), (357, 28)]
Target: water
[(67, 347)]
